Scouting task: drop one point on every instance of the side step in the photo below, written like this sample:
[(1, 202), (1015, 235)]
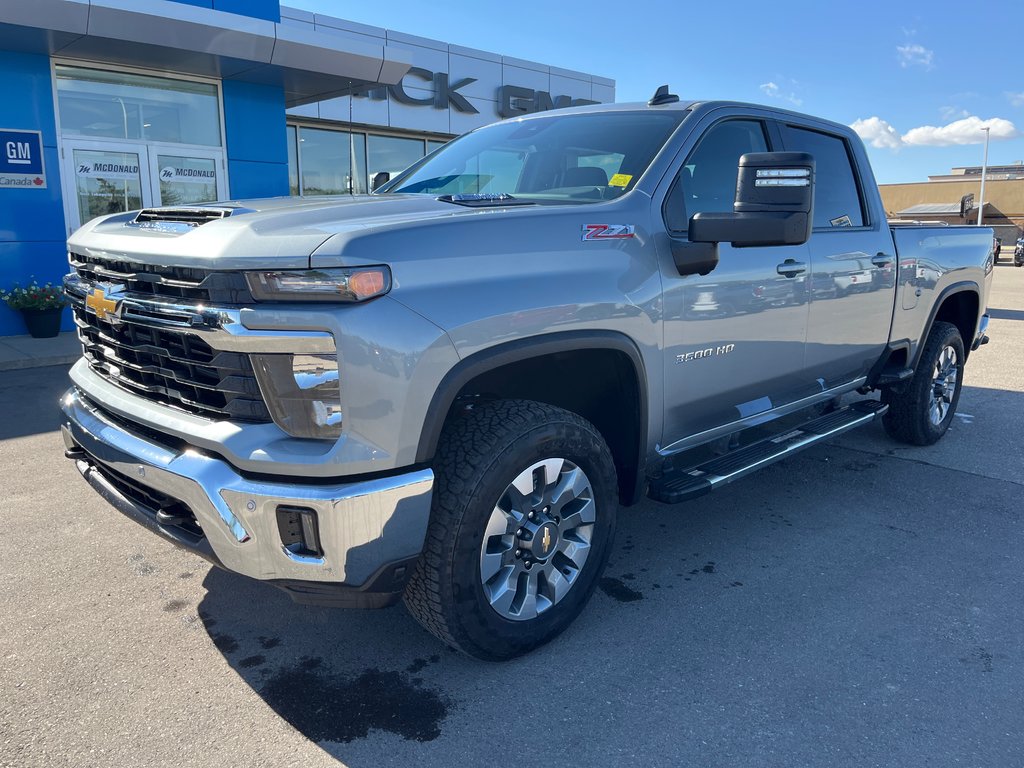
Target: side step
[(686, 484)]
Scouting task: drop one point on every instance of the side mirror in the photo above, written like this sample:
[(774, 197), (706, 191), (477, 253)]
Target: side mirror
[(774, 201), (379, 180)]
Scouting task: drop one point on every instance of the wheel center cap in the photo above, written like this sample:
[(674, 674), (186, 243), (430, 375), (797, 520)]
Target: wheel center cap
[(544, 541)]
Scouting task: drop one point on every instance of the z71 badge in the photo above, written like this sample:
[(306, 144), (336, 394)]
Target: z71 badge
[(608, 231)]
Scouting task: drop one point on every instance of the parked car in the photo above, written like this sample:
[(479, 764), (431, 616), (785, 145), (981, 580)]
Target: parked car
[(1018, 253), (446, 390)]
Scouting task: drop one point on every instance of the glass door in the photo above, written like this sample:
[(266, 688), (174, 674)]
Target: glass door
[(111, 177), (104, 178), (185, 176)]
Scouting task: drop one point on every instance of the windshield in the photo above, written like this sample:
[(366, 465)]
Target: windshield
[(581, 158)]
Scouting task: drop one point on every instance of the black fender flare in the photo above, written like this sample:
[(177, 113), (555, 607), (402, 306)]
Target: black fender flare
[(499, 355), (949, 290)]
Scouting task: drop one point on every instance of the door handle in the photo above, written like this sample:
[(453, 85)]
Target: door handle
[(881, 259), (791, 268)]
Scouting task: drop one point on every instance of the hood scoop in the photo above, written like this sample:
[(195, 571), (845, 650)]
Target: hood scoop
[(180, 220)]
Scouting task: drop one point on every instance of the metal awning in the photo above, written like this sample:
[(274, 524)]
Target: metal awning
[(158, 34), (932, 209)]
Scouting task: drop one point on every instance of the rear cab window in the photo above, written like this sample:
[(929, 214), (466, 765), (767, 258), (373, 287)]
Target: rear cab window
[(838, 201)]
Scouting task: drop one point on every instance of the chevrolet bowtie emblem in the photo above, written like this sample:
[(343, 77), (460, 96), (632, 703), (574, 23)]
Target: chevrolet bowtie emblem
[(546, 542), (98, 302)]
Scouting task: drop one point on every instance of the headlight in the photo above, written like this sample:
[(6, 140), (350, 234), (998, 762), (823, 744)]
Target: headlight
[(356, 284), (302, 393)]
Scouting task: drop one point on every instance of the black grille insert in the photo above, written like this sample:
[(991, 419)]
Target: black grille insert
[(172, 367), (151, 280)]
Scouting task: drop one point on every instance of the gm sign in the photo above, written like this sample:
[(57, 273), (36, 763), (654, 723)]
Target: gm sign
[(21, 159)]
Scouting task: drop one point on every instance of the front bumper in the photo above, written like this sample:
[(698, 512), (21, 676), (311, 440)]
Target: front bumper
[(370, 531)]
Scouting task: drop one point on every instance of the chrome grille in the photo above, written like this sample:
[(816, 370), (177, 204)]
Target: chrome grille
[(191, 283), (156, 350)]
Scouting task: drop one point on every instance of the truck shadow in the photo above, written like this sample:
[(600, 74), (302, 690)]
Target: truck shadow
[(708, 611), (28, 400)]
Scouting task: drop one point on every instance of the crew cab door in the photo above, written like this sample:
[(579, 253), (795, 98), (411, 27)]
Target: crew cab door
[(852, 280), (734, 338)]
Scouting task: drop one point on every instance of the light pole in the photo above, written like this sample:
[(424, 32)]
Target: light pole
[(984, 168)]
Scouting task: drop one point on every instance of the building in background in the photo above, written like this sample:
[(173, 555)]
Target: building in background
[(954, 198), (111, 105)]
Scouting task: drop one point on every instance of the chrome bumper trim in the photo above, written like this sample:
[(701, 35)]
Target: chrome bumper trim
[(222, 328), (982, 336), (363, 524)]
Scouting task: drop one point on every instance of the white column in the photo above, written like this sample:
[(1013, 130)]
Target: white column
[(984, 168)]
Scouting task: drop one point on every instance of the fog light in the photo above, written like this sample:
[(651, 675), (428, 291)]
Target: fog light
[(302, 393)]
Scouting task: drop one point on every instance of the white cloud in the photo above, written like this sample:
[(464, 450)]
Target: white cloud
[(1017, 99), (913, 54), (965, 131), (879, 133), (772, 91)]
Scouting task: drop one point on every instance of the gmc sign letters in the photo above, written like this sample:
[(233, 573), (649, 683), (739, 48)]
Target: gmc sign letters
[(512, 99)]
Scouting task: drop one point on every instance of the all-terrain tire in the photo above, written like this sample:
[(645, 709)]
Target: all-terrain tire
[(479, 454), (918, 414)]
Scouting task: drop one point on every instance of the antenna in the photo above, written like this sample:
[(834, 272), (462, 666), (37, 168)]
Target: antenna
[(662, 96)]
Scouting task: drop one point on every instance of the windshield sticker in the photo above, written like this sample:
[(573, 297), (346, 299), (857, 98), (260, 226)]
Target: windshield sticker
[(841, 221), (608, 231), (620, 180)]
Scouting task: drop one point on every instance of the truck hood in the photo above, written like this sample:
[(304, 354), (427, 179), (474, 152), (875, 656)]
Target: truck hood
[(274, 233)]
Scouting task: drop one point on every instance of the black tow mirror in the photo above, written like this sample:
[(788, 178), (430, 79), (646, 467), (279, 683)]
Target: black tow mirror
[(774, 202), (379, 180)]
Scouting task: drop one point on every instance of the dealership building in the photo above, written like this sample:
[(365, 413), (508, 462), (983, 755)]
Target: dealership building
[(113, 105)]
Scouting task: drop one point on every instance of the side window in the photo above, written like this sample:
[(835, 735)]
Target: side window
[(837, 201), (707, 180)]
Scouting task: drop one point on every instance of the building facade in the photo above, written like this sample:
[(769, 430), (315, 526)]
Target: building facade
[(113, 105), (955, 198)]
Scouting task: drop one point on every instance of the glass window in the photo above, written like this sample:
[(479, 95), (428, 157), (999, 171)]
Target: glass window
[(106, 182), (186, 180), (119, 105), (837, 200), (390, 154), (539, 158), (327, 159), (432, 145), (707, 180), (293, 161)]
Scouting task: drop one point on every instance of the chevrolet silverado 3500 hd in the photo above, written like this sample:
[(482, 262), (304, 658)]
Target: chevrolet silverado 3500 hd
[(446, 390)]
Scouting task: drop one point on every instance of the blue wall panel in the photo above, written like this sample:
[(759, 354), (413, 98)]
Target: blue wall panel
[(32, 229), (259, 9), (249, 179), (257, 149)]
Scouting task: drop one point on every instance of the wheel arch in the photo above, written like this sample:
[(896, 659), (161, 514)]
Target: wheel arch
[(959, 304), (614, 400)]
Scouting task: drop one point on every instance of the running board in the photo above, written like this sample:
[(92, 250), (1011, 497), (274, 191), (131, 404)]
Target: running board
[(686, 484)]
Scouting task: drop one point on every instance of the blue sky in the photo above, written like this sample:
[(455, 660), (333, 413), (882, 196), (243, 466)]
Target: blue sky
[(918, 79)]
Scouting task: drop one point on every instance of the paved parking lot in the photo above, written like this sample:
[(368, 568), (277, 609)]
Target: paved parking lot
[(859, 604)]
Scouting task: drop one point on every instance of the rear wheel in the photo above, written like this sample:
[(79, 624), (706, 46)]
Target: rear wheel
[(922, 410), (521, 525)]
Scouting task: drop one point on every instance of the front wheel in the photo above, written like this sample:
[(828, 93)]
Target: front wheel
[(521, 525), (921, 412)]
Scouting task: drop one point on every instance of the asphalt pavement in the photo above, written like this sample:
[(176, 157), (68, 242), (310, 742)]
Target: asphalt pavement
[(856, 605)]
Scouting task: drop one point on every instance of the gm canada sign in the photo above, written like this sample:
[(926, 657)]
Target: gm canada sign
[(512, 99), (21, 159)]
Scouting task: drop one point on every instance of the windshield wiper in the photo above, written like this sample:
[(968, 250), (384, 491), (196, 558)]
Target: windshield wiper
[(480, 200)]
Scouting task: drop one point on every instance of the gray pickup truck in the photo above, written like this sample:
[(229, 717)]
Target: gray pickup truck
[(446, 390)]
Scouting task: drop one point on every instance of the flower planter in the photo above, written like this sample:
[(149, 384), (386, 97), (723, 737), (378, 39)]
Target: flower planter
[(43, 323)]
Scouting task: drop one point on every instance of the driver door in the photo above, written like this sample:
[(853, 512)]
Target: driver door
[(735, 337)]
